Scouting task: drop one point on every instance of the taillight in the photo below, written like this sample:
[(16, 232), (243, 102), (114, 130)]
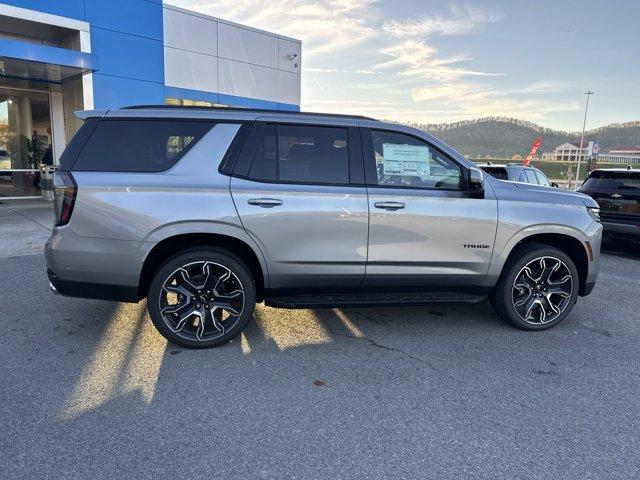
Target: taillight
[(65, 191)]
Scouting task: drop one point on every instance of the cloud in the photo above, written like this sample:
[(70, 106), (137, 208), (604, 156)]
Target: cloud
[(339, 70), (416, 58), (359, 57), (324, 25), (460, 21)]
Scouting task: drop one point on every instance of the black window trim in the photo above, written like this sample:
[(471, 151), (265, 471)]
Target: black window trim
[(371, 175), (228, 162), (252, 142), (210, 121)]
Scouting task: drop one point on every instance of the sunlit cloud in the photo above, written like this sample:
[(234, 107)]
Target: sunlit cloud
[(358, 57), (323, 25), (460, 21)]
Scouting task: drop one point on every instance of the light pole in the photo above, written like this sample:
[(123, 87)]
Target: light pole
[(588, 93)]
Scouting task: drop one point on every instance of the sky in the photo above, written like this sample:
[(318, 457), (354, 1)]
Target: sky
[(444, 61)]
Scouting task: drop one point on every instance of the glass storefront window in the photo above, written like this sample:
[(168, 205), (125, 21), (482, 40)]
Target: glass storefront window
[(25, 141), (182, 102)]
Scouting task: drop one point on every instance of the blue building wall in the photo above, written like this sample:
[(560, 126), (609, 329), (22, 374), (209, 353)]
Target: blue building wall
[(127, 44), (126, 35)]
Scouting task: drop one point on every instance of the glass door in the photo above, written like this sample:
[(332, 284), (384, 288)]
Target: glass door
[(25, 141)]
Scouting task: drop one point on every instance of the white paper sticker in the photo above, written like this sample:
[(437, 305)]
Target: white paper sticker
[(407, 160)]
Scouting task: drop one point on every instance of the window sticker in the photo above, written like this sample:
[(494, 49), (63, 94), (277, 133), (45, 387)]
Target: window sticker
[(406, 160)]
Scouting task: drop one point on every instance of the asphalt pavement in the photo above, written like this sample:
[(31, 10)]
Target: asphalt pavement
[(88, 389)]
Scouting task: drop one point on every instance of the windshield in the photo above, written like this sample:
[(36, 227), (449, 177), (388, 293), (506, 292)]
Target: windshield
[(498, 172), (612, 180)]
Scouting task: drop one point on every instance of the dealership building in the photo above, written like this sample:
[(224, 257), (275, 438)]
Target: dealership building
[(59, 56)]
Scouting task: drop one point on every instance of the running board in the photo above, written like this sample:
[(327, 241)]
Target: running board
[(374, 300)]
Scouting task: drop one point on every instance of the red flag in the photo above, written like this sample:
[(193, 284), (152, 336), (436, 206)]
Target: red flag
[(534, 148)]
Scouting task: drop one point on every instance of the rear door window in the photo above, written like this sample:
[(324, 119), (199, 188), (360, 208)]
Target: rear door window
[(302, 154), (139, 145)]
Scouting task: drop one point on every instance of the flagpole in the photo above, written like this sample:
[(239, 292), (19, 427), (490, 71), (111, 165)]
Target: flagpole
[(588, 93)]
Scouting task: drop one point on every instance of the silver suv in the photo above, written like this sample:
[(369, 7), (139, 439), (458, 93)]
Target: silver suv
[(206, 211)]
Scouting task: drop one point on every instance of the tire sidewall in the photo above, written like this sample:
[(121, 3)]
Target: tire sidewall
[(199, 255), (503, 296)]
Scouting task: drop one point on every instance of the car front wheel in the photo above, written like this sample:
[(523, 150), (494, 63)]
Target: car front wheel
[(201, 298), (537, 289)]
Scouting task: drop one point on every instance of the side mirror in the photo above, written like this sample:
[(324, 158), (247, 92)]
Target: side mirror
[(555, 185), (476, 182)]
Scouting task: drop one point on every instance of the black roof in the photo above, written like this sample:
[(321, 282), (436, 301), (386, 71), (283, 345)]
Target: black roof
[(241, 109)]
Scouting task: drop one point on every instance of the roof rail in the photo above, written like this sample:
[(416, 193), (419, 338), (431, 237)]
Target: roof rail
[(242, 109)]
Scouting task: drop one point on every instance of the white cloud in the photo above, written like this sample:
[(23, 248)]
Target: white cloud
[(324, 25), (460, 21), (357, 58)]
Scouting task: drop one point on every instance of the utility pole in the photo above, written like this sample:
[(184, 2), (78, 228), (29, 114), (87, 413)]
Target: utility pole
[(588, 93)]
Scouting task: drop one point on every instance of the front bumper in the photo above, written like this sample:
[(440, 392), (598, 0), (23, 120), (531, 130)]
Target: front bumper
[(594, 237)]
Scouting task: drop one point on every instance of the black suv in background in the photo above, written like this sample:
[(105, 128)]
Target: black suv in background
[(617, 191), (517, 173)]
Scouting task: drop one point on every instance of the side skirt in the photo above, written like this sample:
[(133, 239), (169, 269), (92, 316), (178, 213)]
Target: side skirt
[(374, 300)]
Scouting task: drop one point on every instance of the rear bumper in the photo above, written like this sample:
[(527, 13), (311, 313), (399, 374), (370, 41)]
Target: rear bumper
[(94, 267), (98, 291)]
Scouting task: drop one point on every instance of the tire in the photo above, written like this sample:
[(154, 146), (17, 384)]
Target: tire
[(201, 298), (530, 294)]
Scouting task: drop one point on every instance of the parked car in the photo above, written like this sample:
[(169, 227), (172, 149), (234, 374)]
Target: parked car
[(517, 173), (206, 211), (617, 192)]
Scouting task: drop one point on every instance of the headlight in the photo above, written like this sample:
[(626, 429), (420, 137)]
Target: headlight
[(594, 213)]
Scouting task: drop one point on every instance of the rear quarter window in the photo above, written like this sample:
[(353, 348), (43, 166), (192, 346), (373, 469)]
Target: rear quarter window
[(613, 180), (139, 145)]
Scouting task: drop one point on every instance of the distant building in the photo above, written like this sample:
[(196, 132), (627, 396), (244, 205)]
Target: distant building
[(569, 152), (633, 150), (622, 154)]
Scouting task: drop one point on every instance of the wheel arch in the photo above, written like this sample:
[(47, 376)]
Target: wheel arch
[(169, 246), (569, 244)]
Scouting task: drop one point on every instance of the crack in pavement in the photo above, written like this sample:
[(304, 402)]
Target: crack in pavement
[(393, 349)]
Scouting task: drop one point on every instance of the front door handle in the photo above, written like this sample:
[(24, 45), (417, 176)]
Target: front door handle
[(389, 205), (265, 202)]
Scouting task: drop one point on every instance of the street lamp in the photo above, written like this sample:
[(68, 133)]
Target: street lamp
[(588, 93)]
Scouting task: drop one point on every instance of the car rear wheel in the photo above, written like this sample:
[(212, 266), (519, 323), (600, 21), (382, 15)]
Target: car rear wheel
[(201, 298), (537, 289)]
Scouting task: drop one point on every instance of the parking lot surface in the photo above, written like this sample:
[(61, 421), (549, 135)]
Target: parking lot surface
[(88, 389)]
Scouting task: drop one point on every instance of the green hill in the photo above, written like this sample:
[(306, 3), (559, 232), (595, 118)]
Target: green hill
[(505, 137)]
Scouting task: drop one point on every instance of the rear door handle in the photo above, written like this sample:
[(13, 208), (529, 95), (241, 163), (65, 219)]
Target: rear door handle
[(389, 205), (265, 202)]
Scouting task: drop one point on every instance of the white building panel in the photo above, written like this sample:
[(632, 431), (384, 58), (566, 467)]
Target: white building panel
[(191, 70), (246, 80), (208, 54), (245, 45), (289, 55), (190, 32), (288, 87)]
